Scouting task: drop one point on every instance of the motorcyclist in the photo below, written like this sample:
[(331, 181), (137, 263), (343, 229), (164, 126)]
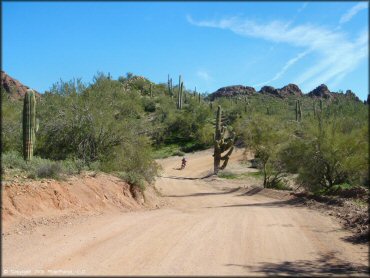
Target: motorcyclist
[(183, 162)]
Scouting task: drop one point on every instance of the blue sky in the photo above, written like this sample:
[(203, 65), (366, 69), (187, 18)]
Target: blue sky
[(211, 44)]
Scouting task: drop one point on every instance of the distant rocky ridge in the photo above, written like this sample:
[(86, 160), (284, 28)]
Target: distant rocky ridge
[(289, 90), (232, 91), (12, 87)]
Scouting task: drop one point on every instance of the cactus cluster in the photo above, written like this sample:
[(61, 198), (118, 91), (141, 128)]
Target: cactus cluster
[(30, 125), (223, 142)]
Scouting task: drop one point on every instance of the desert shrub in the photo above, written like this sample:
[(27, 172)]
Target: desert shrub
[(149, 105), (11, 124), (178, 153), (266, 137), (13, 160), (134, 158), (49, 170), (329, 154), (204, 135), (133, 179), (36, 168)]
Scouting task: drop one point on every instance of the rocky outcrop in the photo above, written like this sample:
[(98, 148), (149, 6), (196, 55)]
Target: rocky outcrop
[(321, 91), (290, 90), (286, 91), (12, 87), (267, 90), (351, 95), (232, 91)]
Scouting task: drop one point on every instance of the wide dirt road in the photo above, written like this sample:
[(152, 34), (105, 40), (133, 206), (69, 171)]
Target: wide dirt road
[(211, 227)]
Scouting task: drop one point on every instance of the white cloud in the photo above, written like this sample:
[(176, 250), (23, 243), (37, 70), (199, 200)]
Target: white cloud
[(204, 75), (303, 7), (337, 54), (353, 11), (287, 65)]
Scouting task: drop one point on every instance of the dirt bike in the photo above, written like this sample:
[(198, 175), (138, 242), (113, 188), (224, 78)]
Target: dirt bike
[(183, 164)]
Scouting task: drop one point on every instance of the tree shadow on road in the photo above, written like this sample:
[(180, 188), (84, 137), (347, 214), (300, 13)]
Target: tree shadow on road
[(206, 193), (277, 204), (187, 178), (326, 265)]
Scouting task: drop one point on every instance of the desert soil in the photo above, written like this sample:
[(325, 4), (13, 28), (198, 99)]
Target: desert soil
[(210, 226)]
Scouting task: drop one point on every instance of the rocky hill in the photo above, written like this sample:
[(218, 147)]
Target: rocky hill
[(232, 91), (12, 87), (289, 90)]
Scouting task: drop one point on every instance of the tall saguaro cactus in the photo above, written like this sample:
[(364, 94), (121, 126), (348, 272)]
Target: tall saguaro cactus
[(223, 142), (29, 124), (170, 86), (298, 111), (179, 96)]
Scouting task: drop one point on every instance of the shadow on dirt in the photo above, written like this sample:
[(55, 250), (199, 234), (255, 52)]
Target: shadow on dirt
[(187, 178), (357, 238), (206, 193), (326, 265), (277, 204)]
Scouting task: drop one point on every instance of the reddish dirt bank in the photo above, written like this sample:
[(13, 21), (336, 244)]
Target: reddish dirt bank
[(27, 204), (212, 227)]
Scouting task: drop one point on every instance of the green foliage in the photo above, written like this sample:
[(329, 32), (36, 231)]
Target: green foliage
[(327, 148), (39, 167), (330, 153), (11, 124), (134, 158), (116, 126)]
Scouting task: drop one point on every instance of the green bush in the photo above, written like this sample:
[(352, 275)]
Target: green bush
[(49, 170), (328, 155)]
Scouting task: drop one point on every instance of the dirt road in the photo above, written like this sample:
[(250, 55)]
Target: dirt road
[(211, 227)]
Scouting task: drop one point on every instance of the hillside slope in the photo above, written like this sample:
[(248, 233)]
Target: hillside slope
[(12, 87)]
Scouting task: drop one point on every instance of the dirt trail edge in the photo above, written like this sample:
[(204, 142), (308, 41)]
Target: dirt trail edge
[(211, 227)]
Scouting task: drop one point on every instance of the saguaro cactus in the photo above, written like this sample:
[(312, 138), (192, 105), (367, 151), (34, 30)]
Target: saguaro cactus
[(179, 95), (170, 86), (29, 124), (222, 143), (150, 90), (298, 111)]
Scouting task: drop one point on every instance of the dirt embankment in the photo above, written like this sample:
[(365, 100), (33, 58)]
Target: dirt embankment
[(34, 202)]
